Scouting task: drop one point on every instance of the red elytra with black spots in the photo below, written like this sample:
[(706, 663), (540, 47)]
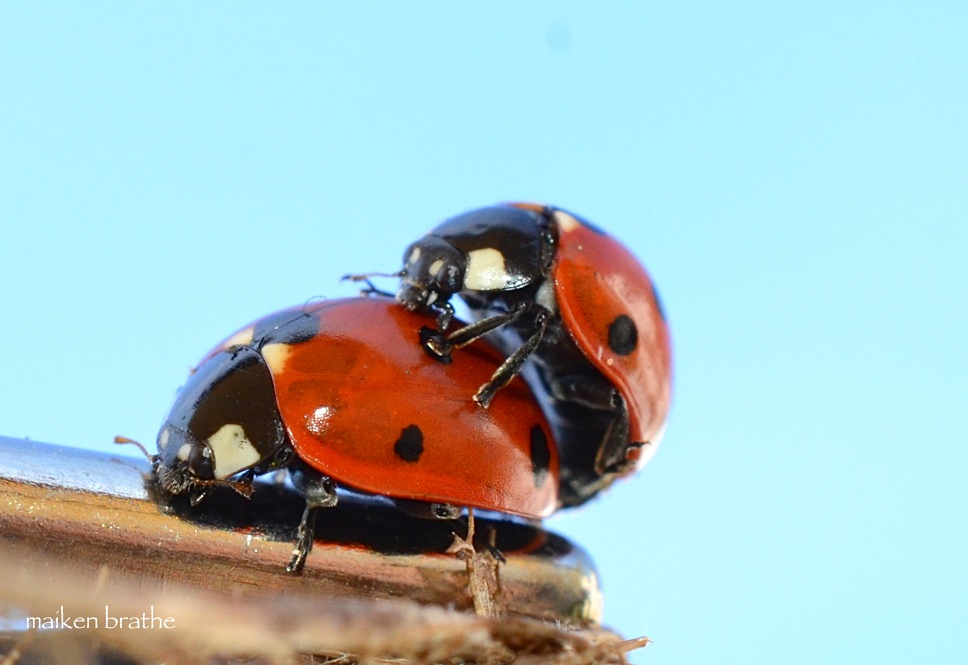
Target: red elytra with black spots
[(341, 394), (573, 310)]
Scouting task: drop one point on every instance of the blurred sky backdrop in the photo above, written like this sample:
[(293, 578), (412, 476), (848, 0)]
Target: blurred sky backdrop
[(794, 177)]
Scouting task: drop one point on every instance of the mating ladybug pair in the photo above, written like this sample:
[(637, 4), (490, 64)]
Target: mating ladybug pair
[(397, 398)]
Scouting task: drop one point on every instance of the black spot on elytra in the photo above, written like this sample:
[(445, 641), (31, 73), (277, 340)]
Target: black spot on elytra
[(286, 327), (540, 455), (409, 447), (623, 336)]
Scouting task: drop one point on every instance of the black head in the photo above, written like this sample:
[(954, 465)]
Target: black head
[(433, 270), (224, 422), (181, 460)]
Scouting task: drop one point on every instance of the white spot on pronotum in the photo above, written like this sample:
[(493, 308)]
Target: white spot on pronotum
[(485, 270), (546, 296), (275, 356), (184, 451), (241, 338), (566, 222), (163, 439), (414, 256), (435, 267), (231, 451)]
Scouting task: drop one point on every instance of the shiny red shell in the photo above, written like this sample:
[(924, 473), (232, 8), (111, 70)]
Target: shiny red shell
[(597, 279), (362, 383)]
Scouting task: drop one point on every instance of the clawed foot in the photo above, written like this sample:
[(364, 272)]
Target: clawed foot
[(436, 345), (305, 535)]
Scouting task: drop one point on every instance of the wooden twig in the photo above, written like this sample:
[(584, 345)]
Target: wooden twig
[(80, 536)]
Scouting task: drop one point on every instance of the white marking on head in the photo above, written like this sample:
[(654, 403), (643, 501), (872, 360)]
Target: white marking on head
[(486, 271), (231, 450), (275, 356), (566, 222), (241, 338), (435, 267), (414, 256), (184, 452)]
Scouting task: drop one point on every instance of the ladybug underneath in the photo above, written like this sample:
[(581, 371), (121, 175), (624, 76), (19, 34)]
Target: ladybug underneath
[(337, 393), (548, 286)]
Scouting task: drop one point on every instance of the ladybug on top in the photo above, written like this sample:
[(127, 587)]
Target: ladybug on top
[(572, 310)]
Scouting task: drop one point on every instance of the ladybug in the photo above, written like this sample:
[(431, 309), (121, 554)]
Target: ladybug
[(337, 393), (546, 285)]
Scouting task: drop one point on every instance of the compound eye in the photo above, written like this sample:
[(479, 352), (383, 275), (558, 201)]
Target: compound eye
[(450, 278), (200, 462)]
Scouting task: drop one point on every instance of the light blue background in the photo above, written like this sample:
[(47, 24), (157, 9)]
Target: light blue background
[(795, 178)]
